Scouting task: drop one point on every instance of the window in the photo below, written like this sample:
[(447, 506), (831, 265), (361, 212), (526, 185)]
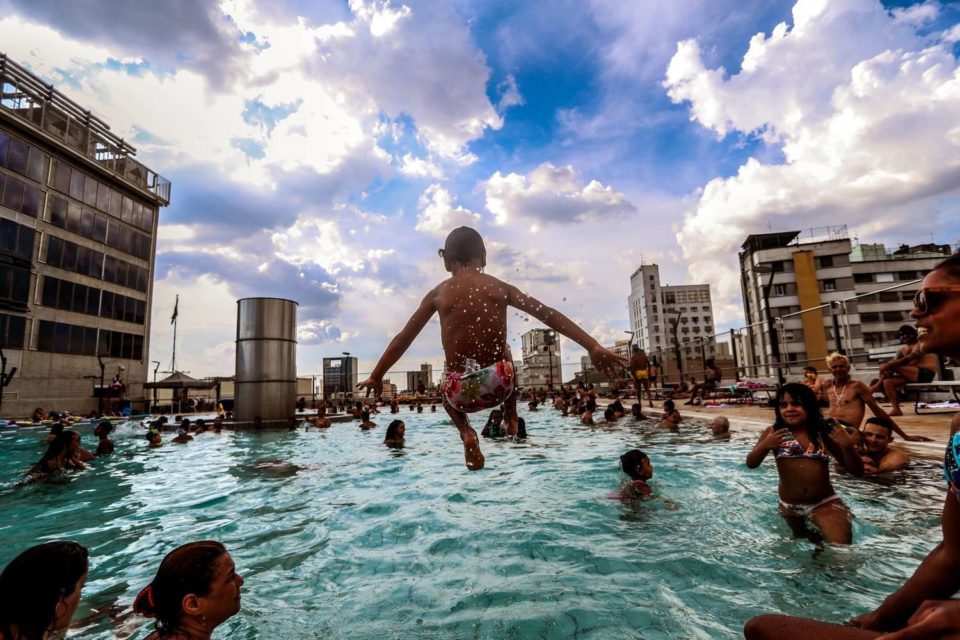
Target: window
[(777, 266), (16, 239), (907, 275), (779, 289), (58, 337), (826, 261), (869, 317), (893, 316), (862, 278), (830, 285), (14, 287), (884, 277), (889, 296), (12, 331)]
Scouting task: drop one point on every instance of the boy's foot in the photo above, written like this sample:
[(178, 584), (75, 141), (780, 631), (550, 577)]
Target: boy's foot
[(471, 449)]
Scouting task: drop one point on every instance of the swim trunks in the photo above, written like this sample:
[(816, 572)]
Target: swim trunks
[(641, 374), (925, 375), (478, 390)]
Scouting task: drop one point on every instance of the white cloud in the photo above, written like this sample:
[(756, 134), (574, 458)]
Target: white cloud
[(420, 168), (439, 214), (868, 119), (917, 14), (551, 194), (509, 94)]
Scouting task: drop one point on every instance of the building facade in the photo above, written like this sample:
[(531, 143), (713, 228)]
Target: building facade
[(671, 322), (339, 377), (424, 377), (78, 223), (541, 367)]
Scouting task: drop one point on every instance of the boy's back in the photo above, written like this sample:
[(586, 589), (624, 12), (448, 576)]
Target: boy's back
[(473, 318)]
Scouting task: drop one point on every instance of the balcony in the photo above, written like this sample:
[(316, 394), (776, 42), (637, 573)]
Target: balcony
[(47, 111)]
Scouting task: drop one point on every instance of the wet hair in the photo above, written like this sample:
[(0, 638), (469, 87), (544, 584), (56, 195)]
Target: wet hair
[(56, 428), (106, 427), (463, 244), (908, 331), (950, 267), (808, 400), (57, 446), (392, 430), (882, 422), (187, 569), (365, 416), (521, 429), (631, 462), (669, 406), (608, 414), (810, 369), (33, 583)]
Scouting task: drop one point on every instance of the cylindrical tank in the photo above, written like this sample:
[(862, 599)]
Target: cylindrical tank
[(266, 376)]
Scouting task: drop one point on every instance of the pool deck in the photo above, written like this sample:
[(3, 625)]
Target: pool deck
[(756, 418)]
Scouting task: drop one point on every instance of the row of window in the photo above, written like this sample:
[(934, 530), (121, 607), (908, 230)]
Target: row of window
[(72, 339), (20, 196), (885, 316), (69, 256), (899, 276), (89, 224), (14, 287), (24, 158), (71, 296), (888, 296), (92, 192)]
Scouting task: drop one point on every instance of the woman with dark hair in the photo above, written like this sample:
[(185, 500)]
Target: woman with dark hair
[(802, 443), (394, 437), (40, 590), (671, 418), (61, 454), (195, 590)]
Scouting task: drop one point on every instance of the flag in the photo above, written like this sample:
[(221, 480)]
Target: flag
[(176, 304)]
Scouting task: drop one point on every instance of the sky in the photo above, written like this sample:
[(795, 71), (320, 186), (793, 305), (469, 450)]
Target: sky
[(321, 150)]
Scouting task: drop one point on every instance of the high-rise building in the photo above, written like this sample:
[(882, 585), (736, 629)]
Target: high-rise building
[(541, 360), (339, 377), (661, 316), (78, 224), (424, 377)]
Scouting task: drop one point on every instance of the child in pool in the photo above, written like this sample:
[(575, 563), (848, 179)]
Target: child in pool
[(636, 464), (473, 330)]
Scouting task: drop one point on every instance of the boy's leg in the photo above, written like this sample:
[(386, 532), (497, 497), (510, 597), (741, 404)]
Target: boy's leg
[(646, 383), (510, 415), (471, 443)]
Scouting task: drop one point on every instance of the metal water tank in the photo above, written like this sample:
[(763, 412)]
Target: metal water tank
[(266, 371)]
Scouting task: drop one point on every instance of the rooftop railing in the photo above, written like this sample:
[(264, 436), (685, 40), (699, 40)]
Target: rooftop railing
[(38, 104)]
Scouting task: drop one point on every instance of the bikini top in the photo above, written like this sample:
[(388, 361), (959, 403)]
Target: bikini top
[(951, 465), (796, 450)]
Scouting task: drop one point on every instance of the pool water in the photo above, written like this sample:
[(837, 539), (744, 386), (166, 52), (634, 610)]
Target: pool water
[(339, 537)]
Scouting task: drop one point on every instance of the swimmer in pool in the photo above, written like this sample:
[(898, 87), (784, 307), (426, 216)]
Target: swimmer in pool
[(636, 464), (395, 432), (102, 431), (671, 417), (473, 330), (802, 443)]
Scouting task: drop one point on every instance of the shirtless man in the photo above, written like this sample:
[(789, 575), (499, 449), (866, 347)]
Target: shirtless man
[(849, 399), (321, 421), (640, 366), (365, 422), (910, 365), (876, 454)]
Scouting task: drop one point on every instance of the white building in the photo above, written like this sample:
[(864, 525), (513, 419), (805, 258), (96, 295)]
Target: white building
[(661, 315), (541, 360)]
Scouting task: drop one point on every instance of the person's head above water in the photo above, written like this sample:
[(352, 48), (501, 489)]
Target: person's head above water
[(40, 589), (636, 464), (395, 431), (669, 406), (463, 246), (794, 399)]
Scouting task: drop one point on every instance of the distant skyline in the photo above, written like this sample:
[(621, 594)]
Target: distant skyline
[(320, 151)]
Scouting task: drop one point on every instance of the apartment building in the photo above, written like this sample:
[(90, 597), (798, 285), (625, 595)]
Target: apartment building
[(541, 368), (340, 376), (424, 377), (78, 225)]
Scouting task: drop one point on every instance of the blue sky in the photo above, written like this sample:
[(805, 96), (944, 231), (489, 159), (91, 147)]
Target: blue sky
[(321, 150)]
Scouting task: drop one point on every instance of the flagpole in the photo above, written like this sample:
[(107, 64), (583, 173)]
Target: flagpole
[(176, 307)]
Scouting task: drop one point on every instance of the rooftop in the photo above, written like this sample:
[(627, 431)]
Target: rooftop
[(780, 239), (28, 101)]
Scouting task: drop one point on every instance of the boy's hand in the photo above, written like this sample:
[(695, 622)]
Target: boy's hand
[(372, 384), (608, 363)]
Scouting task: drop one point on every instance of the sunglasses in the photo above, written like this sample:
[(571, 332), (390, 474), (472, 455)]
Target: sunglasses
[(928, 300)]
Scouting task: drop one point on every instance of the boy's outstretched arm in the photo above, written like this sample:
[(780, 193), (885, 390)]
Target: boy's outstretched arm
[(606, 362), (399, 344)]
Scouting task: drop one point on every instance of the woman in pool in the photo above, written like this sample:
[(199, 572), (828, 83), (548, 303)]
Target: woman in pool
[(62, 453), (195, 590), (394, 437), (671, 417), (802, 443), (40, 591)]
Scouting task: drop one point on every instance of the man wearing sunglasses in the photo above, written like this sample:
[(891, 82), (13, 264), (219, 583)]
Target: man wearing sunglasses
[(921, 608)]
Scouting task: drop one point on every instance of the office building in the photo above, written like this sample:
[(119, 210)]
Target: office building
[(424, 377), (664, 315), (339, 377), (541, 360), (78, 225)]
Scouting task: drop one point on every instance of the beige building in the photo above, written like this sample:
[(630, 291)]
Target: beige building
[(541, 368), (78, 223), (424, 377)]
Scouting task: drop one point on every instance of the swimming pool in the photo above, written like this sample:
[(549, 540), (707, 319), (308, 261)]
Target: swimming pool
[(360, 541)]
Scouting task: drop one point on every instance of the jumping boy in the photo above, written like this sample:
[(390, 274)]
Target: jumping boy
[(473, 330)]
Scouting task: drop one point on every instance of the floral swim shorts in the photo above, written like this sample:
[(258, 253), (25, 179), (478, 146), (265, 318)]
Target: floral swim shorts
[(478, 390)]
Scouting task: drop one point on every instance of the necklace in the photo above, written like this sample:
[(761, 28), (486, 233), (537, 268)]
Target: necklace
[(843, 389)]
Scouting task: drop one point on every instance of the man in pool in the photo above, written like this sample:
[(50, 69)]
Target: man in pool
[(473, 330), (876, 453), (720, 427), (850, 398)]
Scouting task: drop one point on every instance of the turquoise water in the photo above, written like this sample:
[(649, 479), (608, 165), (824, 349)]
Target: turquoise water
[(360, 541)]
